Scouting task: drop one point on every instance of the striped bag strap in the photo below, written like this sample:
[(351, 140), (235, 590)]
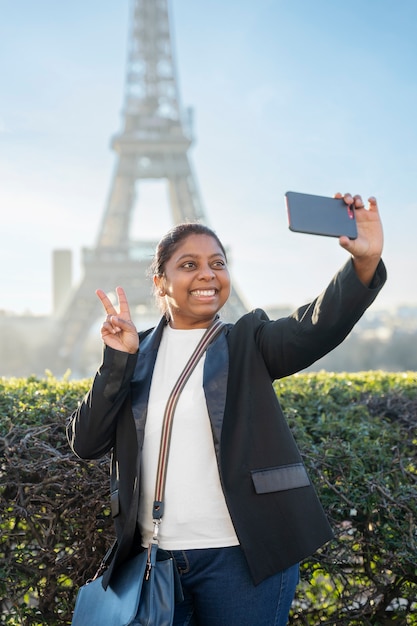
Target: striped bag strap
[(158, 505)]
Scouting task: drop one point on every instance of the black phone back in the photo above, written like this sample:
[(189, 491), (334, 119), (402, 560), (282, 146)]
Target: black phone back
[(320, 215)]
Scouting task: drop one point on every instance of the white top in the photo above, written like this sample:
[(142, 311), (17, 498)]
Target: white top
[(195, 514)]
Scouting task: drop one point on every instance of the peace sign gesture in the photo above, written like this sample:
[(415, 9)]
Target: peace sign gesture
[(118, 331)]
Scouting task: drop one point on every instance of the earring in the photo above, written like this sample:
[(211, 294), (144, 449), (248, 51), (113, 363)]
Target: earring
[(161, 292)]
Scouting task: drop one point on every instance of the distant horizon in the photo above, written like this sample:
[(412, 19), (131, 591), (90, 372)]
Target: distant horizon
[(315, 97)]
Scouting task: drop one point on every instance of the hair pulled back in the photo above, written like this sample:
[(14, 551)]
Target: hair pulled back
[(173, 239)]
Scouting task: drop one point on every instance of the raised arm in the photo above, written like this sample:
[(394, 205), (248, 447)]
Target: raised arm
[(92, 427)]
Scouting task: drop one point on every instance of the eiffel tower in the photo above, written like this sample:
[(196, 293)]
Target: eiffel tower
[(153, 144)]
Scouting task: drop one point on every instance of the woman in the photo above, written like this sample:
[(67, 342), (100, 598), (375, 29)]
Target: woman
[(240, 510)]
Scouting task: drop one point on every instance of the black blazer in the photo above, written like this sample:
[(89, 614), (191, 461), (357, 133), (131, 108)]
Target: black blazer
[(273, 505)]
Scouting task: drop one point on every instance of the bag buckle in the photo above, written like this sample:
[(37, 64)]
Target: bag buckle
[(152, 550), (156, 523)]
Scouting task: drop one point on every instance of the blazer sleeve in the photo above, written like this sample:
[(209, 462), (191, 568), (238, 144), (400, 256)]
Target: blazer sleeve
[(91, 428), (291, 344)]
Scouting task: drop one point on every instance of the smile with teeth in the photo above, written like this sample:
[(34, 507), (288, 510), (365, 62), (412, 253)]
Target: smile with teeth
[(203, 292)]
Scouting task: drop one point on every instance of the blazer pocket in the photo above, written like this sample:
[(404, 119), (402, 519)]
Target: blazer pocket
[(280, 478)]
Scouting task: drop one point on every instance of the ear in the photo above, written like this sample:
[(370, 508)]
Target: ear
[(159, 287)]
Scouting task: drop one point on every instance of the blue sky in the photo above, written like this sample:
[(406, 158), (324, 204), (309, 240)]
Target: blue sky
[(287, 95)]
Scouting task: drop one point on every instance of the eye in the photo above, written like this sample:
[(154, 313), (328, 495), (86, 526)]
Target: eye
[(219, 264), (188, 265)]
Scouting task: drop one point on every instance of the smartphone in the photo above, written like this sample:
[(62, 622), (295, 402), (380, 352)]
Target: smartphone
[(320, 215)]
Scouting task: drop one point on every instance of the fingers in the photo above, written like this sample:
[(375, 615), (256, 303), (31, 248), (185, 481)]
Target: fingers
[(372, 204), (357, 201), (106, 302), (118, 331), (115, 321), (349, 199), (114, 325), (124, 310), (123, 304)]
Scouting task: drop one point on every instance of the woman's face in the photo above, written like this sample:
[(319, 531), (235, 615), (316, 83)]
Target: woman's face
[(196, 282)]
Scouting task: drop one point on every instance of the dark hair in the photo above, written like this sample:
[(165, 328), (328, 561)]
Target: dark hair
[(173, 239)]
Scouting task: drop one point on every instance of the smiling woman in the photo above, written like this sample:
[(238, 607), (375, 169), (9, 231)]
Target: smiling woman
[(233, 462), (193, 283)]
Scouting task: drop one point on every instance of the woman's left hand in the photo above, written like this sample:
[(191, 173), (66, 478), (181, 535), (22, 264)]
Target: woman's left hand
[(366, 249)]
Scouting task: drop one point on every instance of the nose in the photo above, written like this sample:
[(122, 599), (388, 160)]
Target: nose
[(206, 273)]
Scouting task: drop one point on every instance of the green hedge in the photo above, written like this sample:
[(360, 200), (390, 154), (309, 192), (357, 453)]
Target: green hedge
[(358, 436)]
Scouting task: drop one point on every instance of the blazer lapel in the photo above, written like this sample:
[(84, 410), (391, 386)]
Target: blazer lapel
[(142, 378), (216, 369)]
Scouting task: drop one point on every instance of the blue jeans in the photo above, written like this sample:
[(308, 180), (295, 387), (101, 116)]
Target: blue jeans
[(218, 590)]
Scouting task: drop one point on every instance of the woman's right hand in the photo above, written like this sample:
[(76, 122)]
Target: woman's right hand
[(118, 331)]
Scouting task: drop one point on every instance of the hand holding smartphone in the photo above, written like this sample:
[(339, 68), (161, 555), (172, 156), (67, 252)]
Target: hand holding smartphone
[(320, 215)]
